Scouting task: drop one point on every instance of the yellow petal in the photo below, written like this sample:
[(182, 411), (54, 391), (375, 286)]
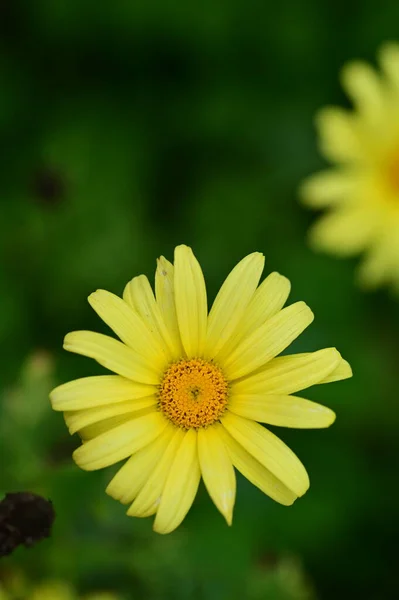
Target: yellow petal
[(289, 374), (50, 590), (256, 473), (231, 302), (165, 296), (217, 470), (269, 450), (267, 301), (389, 59), (340, 137), (381, 262), (268, 340), (129, 327), (89, 392), (329, 188), (119, 443), (191, 304), (365, 88), (112, 355), (149, 497), (344, 232), (77, 419), (342, 371), (91, 431), (130, 478), (139, 295), (284, 411), (181, 486)]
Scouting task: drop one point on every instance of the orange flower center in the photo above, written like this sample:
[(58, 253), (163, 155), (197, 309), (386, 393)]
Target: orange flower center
[(193, 393)]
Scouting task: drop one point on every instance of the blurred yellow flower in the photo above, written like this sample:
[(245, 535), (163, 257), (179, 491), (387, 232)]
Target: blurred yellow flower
[(362, 191), (48, 590), (190, 388), (53, 590)]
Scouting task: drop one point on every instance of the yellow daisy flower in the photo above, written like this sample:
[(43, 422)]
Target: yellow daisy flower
[(190, 388), (49, 590), (362, 191)]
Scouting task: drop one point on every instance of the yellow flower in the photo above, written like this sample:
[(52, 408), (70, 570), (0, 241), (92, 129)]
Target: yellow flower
[(362, 191), (190, 388), (53, 590), (57, 590)]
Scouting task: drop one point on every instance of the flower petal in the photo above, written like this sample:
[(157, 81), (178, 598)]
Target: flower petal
[(342, 371), (191, 304), (122, 441), (231, 302), (181, 486), (165, 296), (130, 478), (380, 263), (284, 411), (77, 419), (389, 59), (149, 497), (340, 136), (113, 355), (329, 188), (256, 473), (267, 301), (217, 470), (344, 232), (92, 431), (129, 327), (269, 450), (139, 295), (268, 340), (289, 374), (89, 392), (364, 86)]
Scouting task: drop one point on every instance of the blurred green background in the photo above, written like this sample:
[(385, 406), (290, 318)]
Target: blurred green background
[(127, 128)]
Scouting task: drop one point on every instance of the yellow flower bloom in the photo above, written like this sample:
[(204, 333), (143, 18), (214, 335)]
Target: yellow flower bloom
[(190, 387), (362, 192)]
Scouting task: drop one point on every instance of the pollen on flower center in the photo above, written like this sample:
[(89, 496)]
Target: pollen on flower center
[(193, 393)]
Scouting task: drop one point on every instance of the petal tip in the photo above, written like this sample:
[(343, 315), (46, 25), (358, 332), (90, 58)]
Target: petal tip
[(69, 340)]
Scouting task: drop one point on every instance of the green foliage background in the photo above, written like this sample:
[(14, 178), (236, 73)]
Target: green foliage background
[(127, 128)]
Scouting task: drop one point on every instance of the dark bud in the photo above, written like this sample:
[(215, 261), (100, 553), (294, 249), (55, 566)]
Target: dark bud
[(25, 518)]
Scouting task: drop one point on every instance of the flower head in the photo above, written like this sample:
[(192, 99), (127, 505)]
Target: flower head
[(362, 191), (190, 387)]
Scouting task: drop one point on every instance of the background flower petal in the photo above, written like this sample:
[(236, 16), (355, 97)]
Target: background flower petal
[(345, 231), (341, 138)]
